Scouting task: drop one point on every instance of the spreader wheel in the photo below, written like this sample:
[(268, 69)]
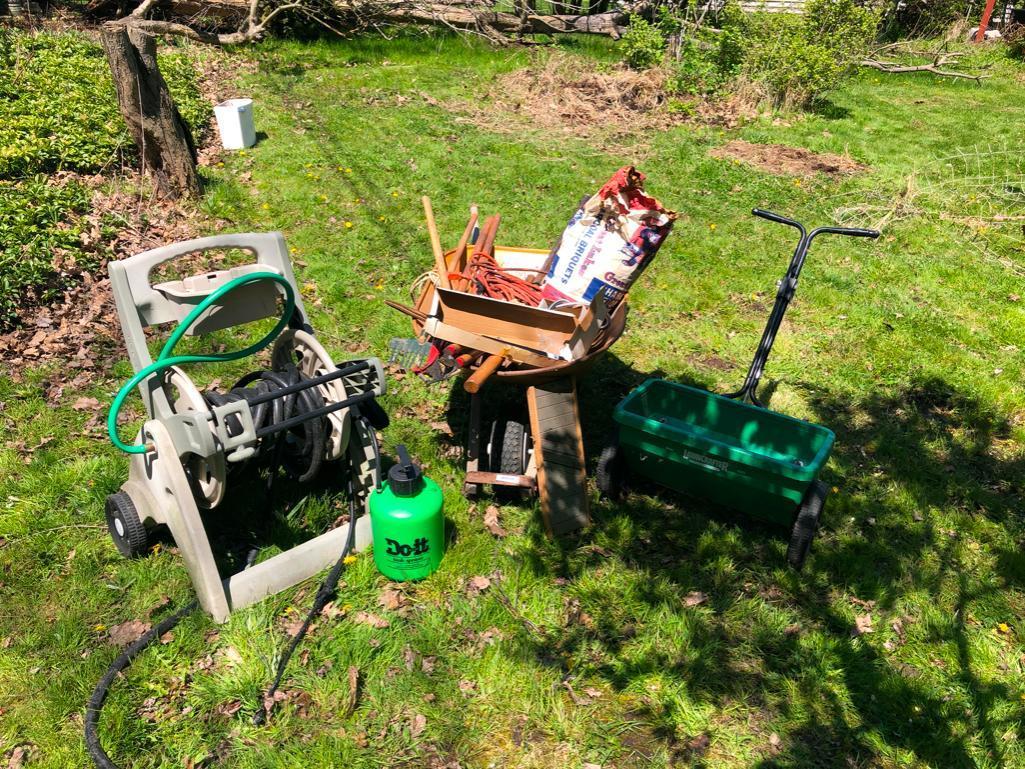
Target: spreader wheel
[(806, 524), (126, 529), (610, 475)]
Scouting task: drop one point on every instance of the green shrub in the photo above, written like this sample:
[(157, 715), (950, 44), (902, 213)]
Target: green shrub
[(707, 60), (643, 45), (799, 58), (41, 251), (58, 108)]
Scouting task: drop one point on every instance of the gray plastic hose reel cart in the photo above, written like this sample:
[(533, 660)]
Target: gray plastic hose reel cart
[(193, 437)]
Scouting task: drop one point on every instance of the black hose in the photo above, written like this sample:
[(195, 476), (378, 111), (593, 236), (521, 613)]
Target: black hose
[(324, 593), (95, 705)]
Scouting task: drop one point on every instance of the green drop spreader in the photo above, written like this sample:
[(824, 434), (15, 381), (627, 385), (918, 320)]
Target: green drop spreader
[(730, 448)]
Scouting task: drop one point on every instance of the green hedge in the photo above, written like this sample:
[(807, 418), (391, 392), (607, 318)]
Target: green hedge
[(58, 108)]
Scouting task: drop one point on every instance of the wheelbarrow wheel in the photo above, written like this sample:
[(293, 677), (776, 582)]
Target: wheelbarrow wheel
[(126, 529), (509, 454), (806, 524), (610, 475), (508, 448)]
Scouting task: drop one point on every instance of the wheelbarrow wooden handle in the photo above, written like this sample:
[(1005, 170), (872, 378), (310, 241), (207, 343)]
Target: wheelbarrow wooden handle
[(485, 370), (439, 255)]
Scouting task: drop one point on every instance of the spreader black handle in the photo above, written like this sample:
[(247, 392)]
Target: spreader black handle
[(776, 218), (854, 232)]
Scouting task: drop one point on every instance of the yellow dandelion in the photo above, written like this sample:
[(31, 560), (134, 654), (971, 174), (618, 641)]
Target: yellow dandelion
[(347, 607), (379, 286), (797, 182), (349, 560), (293, 251), (712, 226), (220, 164), (380, 218), (1003, 627), (156, 548), (323, 198), (395, 194), (99, 628), (265, 206), (348, 170), (348, 225)]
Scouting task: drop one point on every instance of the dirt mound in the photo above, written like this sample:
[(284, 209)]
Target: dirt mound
[(561, 93), (788, 161)]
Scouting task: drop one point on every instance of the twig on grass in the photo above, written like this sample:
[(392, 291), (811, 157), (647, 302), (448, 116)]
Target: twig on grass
[(535, 630)]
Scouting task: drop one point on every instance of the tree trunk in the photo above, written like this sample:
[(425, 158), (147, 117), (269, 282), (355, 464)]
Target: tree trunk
[(164, 140)]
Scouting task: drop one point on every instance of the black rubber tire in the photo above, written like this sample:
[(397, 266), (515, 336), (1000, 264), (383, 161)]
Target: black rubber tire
[(509, 441), (125, 527), (806, 524), (610, 475)]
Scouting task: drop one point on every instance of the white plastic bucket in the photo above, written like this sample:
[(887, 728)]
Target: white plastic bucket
[(235, 123)]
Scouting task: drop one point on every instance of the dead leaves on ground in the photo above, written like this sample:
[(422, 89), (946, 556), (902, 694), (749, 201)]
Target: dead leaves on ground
[(491, 522), (127, 632), (369, 618)]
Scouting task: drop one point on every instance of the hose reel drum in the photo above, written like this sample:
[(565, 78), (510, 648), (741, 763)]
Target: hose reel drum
[(302, 413)]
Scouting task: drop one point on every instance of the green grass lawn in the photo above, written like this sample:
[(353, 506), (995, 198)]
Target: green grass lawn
[(909, 348)]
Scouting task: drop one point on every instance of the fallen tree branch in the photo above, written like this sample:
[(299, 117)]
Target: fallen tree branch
[(940, 60)]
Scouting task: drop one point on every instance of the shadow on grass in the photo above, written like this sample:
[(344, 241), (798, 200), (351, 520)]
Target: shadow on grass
[(899, 459)]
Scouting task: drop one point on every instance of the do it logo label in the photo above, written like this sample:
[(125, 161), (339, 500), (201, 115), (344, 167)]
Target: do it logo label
[(419, 547)]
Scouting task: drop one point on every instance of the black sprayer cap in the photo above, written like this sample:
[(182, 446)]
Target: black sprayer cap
[(405, 479)]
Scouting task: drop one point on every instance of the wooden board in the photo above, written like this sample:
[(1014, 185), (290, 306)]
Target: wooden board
[(472, 341), (560, 333), (559, 453)]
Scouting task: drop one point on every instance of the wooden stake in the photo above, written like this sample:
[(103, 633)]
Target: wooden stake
[(439, 255)]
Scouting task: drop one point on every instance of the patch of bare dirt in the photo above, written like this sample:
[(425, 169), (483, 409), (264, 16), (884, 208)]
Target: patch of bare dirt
[(787, 161)]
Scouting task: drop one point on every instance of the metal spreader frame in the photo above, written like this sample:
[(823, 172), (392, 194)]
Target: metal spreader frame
[(189, 442), (784, 294)]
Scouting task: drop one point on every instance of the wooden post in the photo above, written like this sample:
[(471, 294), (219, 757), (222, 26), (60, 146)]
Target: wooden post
[(163, 139)]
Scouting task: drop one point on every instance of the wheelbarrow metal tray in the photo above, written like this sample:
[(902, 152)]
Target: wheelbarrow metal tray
[(736, 454)]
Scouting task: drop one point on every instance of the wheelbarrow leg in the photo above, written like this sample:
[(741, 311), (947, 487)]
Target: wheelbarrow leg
[(471, 490)]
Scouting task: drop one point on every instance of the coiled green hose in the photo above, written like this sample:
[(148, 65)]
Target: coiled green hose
[(166, 359)]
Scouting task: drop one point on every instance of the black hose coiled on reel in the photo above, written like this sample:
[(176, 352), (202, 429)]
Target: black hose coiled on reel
[(300, 450)]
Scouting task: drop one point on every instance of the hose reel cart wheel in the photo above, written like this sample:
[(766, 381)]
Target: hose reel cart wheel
[(126, 528)]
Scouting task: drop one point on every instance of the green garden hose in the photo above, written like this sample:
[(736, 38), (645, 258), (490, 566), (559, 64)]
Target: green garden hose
[(166, 359)]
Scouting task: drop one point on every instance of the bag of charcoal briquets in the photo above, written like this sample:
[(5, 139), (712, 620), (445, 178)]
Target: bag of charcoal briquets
[(608, 243)]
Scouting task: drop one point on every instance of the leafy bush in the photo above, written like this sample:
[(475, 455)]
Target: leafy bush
[(798, 58), (643, 45), (58, 108), (40, 241), (707, 61)]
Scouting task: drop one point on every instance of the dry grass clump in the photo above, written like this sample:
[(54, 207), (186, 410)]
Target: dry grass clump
[(562, 93)]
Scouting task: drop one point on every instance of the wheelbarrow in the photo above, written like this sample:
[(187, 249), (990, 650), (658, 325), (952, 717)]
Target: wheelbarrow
[(730, 448)]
